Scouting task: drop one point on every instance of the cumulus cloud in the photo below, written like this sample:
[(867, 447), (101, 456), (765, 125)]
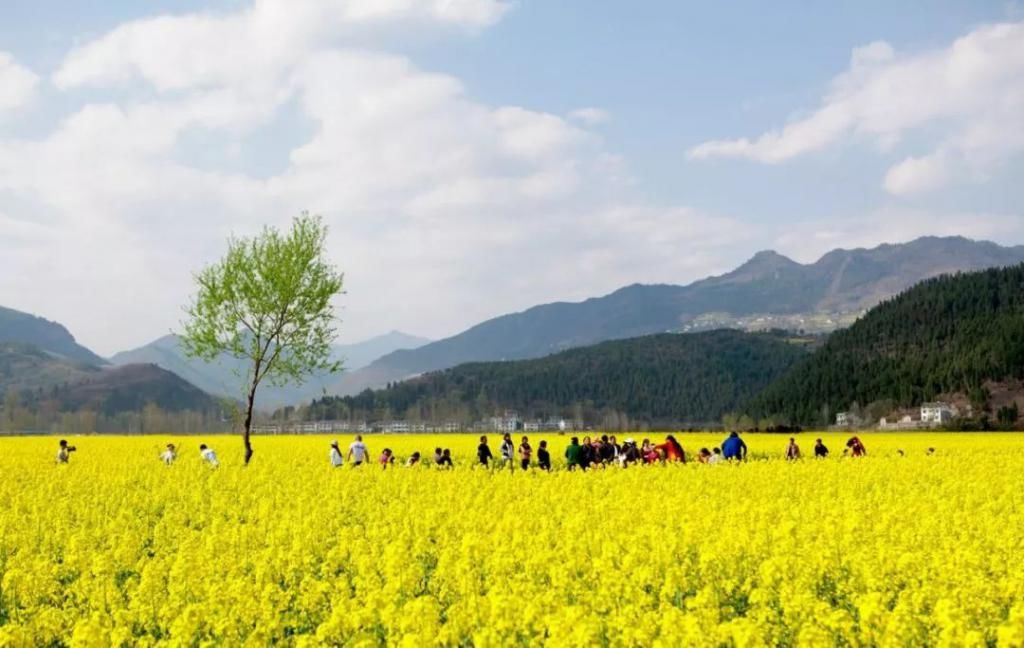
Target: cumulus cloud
[(17, 83), (443, 210), (589, 116), (972, 92)]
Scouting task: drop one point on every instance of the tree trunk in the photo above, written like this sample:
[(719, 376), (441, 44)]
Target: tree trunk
[(248, 425)]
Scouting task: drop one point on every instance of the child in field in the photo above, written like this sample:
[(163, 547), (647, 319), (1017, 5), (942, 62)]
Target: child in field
[(543, 456), (208, 455), (792, 450), (483, 452), (387, 458), (446, 459), (169, 454), (508, 450), (704, 456), (716, 456), (629, 453), (413, 459), (587, 453), (820, 450), (64, 451), (525, 452), (573, 454), (335, 455), (437, 456), (650, 453)]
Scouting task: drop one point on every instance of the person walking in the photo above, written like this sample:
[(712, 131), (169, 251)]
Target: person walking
[(573, 453), (208, 455), (525, 452), (734, 447), (508, 451), (483, 452), (587, 453), (543, 456), (335, 455), (820, 451), (169, 454), (64, 451), (358, 453), (792, 450)]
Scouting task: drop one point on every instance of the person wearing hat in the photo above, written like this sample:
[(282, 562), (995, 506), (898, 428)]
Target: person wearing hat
[(336, 459)]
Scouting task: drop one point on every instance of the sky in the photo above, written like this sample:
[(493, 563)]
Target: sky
[(478, 157)]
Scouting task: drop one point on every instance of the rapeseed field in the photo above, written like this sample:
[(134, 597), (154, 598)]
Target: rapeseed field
[(116, 548)]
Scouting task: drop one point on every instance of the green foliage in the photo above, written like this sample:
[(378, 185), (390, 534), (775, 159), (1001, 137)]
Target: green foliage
[(666, 379), (950, 334), (268, 302)]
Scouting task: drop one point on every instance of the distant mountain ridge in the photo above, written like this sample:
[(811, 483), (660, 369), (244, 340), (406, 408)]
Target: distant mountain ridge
[(37, 376), (667, 380), (16, 326), (840, 282), (221, 377)]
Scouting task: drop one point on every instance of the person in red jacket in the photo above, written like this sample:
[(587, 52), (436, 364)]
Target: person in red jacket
[(671, 450)]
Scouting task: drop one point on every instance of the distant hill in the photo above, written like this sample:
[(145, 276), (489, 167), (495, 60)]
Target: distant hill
[(222, 376), (767, 291), (952, 334), (16, 326), (667, 379), (38, 376)]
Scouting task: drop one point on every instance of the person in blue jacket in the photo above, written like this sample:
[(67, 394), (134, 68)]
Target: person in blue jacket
[(734, 448)]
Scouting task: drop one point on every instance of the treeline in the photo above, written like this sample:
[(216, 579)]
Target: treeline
[(32, 414), (951, 334), (666, 380)]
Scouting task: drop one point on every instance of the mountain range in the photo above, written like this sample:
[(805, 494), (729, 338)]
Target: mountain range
[(769, 290)]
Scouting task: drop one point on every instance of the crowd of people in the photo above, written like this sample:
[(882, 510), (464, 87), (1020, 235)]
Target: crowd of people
[(590, 453)]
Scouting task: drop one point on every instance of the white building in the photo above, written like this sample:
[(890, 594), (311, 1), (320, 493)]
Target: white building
[(936, 413)]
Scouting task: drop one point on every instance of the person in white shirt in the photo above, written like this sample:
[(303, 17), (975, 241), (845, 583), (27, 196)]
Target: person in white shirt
[(336, 458), (358, 452), (64, 451), (716, 456), (169, 455), (508, 451), (208, 455)]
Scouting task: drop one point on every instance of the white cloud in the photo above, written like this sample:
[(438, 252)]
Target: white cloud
[(207, 49), (17, 83), (590, 116), (443, 210), (971, 92)]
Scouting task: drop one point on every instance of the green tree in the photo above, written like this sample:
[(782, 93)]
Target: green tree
[(268, 303)]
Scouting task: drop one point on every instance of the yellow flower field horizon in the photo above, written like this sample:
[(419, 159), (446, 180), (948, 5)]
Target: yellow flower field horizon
[(116, 548)]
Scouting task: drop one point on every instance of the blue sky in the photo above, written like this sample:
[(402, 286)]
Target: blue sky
[(479, 157)]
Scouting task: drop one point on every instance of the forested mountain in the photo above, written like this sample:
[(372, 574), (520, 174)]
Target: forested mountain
[(37, 377), (821, 295), (226, 376), (946, 335), (668, 379), (52, 337)]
